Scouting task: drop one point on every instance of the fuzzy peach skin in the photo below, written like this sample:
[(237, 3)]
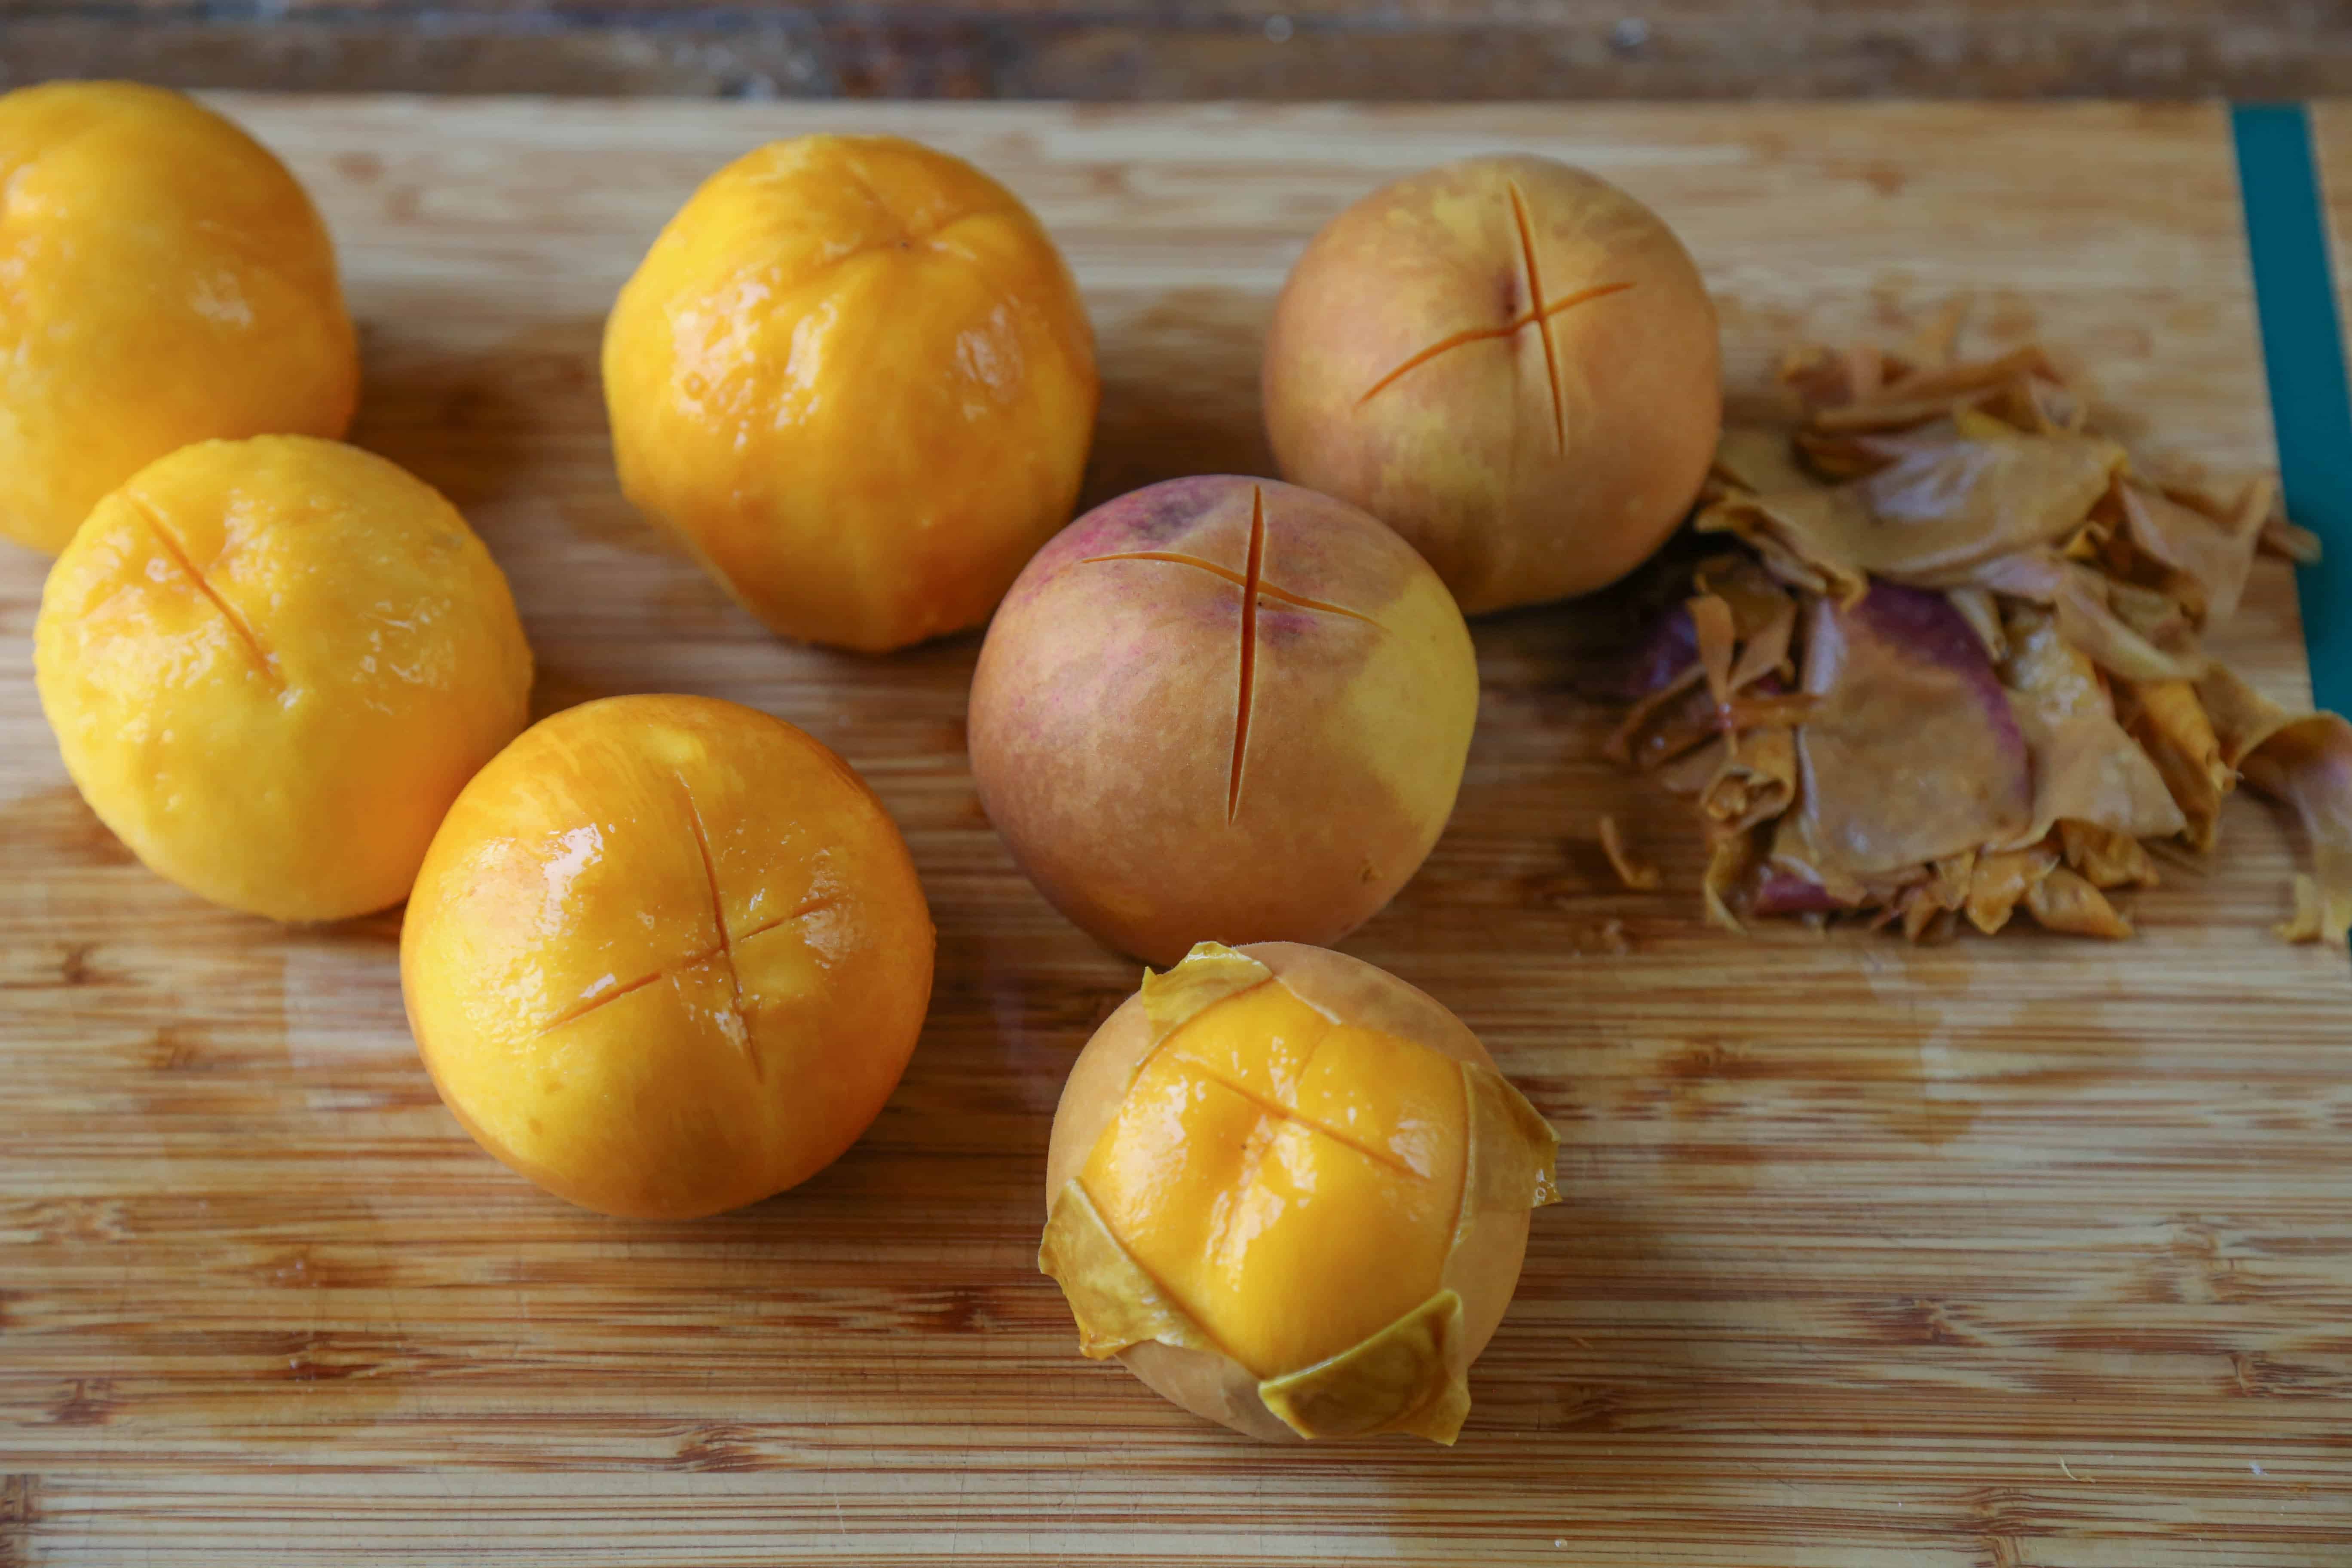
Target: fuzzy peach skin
[(162, 280), (272, 664), (1286, 1279), (854, 377), (667, 956), (1510, 361), (1173, 759)]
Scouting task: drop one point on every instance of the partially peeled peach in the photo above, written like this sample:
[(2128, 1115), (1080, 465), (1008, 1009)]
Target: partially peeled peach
[(1291, 1194)]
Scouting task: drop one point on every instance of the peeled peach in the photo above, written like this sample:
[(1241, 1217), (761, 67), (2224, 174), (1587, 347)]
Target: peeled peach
[(1510, 361), (1222, 709), (272, 664), (668, 955), (162, 280), (855, 378), (1292, 1192)]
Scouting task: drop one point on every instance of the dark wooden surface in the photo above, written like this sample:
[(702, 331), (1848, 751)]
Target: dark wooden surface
[(1168, 49)]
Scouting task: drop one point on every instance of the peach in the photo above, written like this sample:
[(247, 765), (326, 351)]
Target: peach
[(1510, 361), (166, 281), (668, 955), (853, 377), (271, 665), (1292, 1192), (1222, 709)]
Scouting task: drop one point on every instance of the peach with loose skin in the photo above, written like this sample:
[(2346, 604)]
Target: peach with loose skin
[(1223, 708), (1291, 1194), (1510, 361)]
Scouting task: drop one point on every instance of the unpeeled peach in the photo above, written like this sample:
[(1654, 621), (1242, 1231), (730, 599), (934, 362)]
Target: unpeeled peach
[(1510, 361), (1223, 708)]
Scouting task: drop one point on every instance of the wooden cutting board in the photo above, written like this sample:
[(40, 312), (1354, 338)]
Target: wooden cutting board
[(2027, 1251)]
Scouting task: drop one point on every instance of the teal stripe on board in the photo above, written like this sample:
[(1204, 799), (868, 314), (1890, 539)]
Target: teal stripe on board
[(2303, 355)]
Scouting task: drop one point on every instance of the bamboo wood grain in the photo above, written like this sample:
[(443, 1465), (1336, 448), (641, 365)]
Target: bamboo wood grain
[(2020, 1252)]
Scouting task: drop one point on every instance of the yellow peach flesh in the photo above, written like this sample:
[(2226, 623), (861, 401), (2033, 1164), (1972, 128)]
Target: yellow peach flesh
[(163, 280), (272, 664), (1292, 1182), (1291, 1194)]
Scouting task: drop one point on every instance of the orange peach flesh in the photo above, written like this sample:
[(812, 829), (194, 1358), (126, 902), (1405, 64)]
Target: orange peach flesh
[(272, 664), (854, 377), (666, 955)]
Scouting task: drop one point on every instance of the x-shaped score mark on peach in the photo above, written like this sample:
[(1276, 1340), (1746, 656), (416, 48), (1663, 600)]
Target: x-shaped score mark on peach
[(721, 951), (1251, 580), (1538, 315)]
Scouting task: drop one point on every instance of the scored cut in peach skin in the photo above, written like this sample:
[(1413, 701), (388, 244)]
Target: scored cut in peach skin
[(1510, 361), (1222, 709)]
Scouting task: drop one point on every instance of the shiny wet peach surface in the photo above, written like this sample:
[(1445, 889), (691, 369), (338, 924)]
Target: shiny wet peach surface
[(1292, 1181), (162, 280), (854, 377), (668, 955)]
